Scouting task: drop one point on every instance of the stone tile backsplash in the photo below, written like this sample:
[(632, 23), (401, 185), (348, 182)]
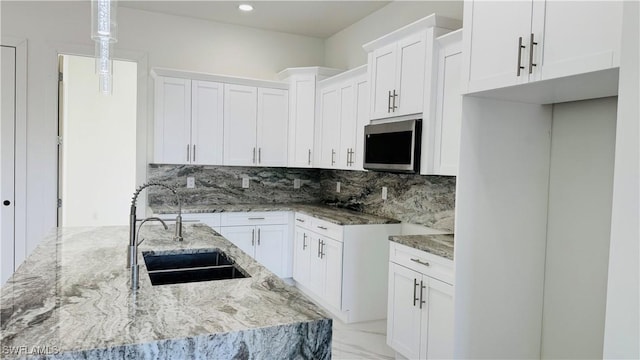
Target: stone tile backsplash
[(424, 200)]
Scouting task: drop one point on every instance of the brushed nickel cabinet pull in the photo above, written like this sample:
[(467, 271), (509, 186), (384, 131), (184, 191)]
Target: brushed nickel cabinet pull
[(389, 102), (421, 262), (422, 287), (300, 220), (254, 156), (319, 248), (322, 254), (415, 285), (188, 153), (194, 152), (394, 101), (531, 64), (348, 153), (259, 155), (333, 156), (304, 241), (309, 161), (520, 47), (322, 227), (258, 236), (256, 218), (253, 237)]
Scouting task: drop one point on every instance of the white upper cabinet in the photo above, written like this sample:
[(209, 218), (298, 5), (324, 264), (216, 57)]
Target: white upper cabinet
[(188, 121), (441, 125), (515, 42), (240, 119), (342, 114), (302, 111), (206, 122), (255, 126), (397, 63), (273, 123)]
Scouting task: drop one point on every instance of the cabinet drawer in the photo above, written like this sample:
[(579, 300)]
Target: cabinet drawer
[(254, 218), (428, 264), (304, 221), (327, 229)]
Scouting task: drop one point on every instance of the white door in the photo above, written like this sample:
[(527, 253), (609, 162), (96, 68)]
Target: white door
[(273, 126), (410, 69), (243, 237), (207, 104), (7, 168), (331, 254), (362, 119), (240, 111), (301, 256), (439, 303), (172, 124), (383, 73), (448, 111), (404, 313), (317, 273), (302, 120), (328, 131), (493, 54), (578, 37), (347, 125), (270, 247)]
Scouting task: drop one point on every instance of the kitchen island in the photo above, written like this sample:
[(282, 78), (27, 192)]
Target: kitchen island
[(71, 299)]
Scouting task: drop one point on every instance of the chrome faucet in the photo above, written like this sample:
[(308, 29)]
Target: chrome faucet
[(133, 220), (133, 253)]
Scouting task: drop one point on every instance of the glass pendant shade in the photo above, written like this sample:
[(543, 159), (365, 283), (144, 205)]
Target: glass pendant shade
[(104, 31)]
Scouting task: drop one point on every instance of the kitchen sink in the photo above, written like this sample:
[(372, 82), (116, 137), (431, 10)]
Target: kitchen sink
[(186, 267)]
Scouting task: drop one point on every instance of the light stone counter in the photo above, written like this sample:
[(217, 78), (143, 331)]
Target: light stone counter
[(331, 214), (441, 245), (70, 300)]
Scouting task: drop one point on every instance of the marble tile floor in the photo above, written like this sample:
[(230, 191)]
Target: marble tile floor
[(364, 340)]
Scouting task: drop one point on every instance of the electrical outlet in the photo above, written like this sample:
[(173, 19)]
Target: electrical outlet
[(384, 193), (191, 182), (245, 182), (296, 183), (338, 186)]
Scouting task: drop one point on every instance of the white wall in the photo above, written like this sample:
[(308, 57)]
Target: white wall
[(99, 144), (166, 41), (344, 50), (580, 191), (622, 324)]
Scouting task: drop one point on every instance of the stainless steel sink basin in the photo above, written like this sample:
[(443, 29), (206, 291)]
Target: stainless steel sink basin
[(187, 267)]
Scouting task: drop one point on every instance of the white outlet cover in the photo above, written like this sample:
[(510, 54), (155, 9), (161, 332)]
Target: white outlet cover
[(191, 182), (245, 182), (338, 186), (296, 183), (384, 193)]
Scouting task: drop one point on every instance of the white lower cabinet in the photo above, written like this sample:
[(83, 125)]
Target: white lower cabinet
[(264, 236), (420, 307), (329, 266)]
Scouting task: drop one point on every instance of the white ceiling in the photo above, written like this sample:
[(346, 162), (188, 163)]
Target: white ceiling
[(310, 18)]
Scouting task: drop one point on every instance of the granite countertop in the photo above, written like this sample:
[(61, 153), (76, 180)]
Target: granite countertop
[(331, 214), (441, 245), (71, 297)]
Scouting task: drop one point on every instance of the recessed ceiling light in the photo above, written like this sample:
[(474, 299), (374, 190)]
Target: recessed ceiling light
[(245, 7)]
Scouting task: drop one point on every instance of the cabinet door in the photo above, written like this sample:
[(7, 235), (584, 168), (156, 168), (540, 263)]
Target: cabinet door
[(206, 122), (331, 254), (240, 111), (383, 80), (302, 107), (172, 124), (578, 37), (409, 85), (243, 237), (439, 324), (448, 111), (273, 123), (492, 30), (347, 125), (328, 131), (318, 266), (270, 247), (301, 256), (404, 313), (362, 119)]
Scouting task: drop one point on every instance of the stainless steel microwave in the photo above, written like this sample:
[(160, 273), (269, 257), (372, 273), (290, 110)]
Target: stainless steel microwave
[(393, 146)]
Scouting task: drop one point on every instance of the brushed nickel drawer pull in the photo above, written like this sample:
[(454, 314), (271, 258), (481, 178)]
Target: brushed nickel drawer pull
[(256, 218), (300, 220), (421, 262), (322, 227)]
